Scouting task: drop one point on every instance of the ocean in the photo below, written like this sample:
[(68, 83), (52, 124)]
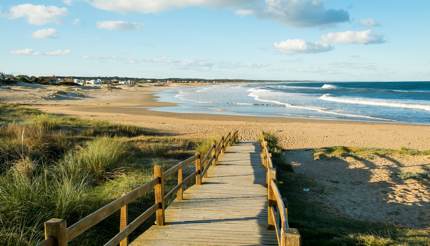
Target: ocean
[(405, 102)]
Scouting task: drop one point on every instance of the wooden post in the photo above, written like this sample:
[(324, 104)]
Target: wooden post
[(198, 169), (270, 198), (208, 163), (215, 154), (159, 195), (222, 145), (264, 160), (180, 193), (57, 230), (123, 223), (290, 237)]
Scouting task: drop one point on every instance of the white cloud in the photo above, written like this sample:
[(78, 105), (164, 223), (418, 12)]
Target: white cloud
[(31, 52), (76, 21), (244, 12), (369, 22), (68, 2), (353, 37), (37, 14), (304, 12), (45, 33), (58, 52), (299, 46), (290, 12), (24, 52), (152, 6), (118, 25)]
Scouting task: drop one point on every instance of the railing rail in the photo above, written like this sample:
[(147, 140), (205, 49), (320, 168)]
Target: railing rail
[(58, 234), (277, 211)]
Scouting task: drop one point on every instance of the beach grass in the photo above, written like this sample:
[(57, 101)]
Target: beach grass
[(319, 224), (342, 151), (54, 166)]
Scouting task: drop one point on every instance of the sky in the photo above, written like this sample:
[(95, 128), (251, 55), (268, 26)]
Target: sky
[(327, 40)]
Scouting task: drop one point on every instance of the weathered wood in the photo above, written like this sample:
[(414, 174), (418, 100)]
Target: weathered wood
[(57, 230), (290, 237), (198, 169), (96, 217), (132, 226), (159, 195), (279, 203), (271, 200), (229, 208), (123, 223), (175, 168), (214, 151), (285, 235), (180, 193), (174, 190), (47, 242), (202, 166)]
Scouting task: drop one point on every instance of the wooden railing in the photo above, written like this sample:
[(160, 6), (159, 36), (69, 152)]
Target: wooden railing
[(277, 212), (57, 232)]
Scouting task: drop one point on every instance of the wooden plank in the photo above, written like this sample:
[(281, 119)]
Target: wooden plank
[(96, 217), (123, 223), (132, 226), (56, 229), (159, 195), (175, 168), (229, 208)]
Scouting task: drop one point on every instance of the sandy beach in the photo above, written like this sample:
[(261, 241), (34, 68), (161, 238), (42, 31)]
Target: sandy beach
[(132, 106), (376, 182)]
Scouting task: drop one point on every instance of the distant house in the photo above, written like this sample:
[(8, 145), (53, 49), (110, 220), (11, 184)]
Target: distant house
[(79, 81), (128, 82), (94, 82)]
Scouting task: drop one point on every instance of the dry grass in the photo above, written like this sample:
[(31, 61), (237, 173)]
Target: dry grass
[(56, 166)]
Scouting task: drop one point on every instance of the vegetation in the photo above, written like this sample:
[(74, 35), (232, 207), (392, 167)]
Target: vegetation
[(341, 151), (371, 153), (63, 167), (321, 225)]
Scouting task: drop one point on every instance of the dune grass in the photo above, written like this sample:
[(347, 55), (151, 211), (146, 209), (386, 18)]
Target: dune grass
[(342, 151), (319, 224), (54, 166)]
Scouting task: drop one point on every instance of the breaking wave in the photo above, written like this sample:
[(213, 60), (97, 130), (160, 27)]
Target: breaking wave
[(382, 103), (259, 94)]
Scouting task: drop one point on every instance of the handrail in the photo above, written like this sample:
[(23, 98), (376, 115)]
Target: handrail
[(58, 234), (285, 235)]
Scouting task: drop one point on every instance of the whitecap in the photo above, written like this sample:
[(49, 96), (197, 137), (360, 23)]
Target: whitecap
[(328, 87), (257, 94), (383, 103)]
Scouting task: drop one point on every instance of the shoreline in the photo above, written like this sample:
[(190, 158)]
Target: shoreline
[(133, 106), (238, 116)]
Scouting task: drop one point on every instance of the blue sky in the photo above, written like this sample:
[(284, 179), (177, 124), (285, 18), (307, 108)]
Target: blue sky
[(251, 39)]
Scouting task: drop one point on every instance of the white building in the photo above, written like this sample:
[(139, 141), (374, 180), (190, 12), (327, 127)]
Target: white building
[(94, 82)]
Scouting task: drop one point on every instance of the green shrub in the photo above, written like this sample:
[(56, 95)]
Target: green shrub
[(95, 160), (69, 198), (272, 143), (204, 146)]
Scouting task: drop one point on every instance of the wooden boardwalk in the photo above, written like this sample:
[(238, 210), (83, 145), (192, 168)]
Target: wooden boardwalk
[(229, 208)]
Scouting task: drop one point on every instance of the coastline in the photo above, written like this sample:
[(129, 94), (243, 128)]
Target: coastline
[(132, 106)]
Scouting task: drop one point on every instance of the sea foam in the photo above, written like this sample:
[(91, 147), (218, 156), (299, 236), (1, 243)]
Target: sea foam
[(258, 95), (328, 87), (382, 103)]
